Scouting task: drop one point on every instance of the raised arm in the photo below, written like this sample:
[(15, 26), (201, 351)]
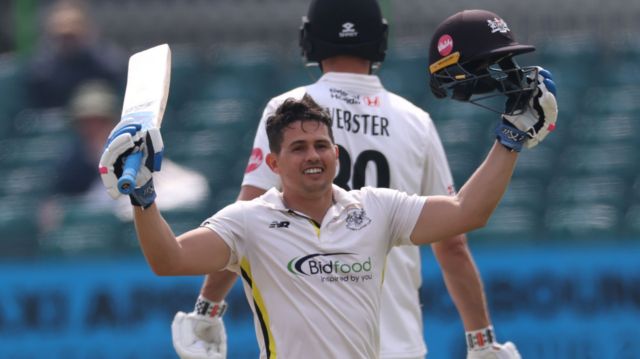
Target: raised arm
[(198, 251), (443, 217)]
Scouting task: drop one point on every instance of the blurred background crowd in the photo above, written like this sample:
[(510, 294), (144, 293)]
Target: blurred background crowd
[(63, 73)]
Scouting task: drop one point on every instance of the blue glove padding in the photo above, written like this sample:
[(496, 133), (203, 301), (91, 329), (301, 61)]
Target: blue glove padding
[(123, 141), (536, 120)]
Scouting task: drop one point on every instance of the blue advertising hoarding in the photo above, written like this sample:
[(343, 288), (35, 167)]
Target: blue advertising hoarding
[(569, 301)]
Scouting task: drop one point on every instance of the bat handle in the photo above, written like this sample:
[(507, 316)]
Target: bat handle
[(127, 182)]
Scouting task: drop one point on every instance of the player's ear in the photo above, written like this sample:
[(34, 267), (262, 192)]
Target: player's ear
[(337, 151), (272, 162)]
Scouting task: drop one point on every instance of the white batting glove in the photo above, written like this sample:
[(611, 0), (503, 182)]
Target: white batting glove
[(481, 345), (496, 351), (123, 141), (536, 120), (200, 334)]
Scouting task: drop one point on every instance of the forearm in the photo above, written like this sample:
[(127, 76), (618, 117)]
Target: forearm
[(463, 281), (217, 285), (157, 241), (482, 192)]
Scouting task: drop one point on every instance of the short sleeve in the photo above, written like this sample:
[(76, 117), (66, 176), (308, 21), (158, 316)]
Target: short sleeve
[(402, 211), (229, 224)]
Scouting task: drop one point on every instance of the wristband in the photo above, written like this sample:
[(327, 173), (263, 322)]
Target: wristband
[(143, 196), (509, 136), (480, 339), (210, 309)]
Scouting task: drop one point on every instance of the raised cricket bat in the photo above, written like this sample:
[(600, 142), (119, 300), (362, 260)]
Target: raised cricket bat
[(145, 99)]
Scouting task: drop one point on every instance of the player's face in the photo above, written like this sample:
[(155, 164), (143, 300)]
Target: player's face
[(307, 159)]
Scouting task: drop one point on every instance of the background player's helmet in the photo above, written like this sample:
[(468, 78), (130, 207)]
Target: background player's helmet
[(343, 27), (471, 53)]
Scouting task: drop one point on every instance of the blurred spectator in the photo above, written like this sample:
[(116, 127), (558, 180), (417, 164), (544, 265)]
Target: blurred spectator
[(6, 23), (94, 112), (69, 53)]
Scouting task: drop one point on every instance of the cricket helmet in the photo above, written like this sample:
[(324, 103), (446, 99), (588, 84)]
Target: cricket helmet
[(343, 27), (471, 53)]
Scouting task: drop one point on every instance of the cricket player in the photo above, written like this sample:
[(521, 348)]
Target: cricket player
[(384, 141), (312, 255)]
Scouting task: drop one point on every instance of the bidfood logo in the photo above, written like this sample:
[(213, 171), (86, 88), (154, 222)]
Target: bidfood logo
[(331, 267)]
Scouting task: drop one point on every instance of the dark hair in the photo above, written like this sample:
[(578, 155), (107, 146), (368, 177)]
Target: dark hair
[(290, 111)]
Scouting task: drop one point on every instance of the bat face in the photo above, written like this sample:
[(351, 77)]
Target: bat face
[(147, 89), (144, 103)]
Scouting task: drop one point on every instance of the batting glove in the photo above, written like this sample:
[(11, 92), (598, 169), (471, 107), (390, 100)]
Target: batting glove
[(200, 334), (532, 124), (481, 345), (123, 141)]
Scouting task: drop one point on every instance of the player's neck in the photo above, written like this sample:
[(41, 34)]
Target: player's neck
[(314, 205), (346, 63)]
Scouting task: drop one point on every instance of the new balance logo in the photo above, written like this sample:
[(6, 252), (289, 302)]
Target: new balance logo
[(276, 224)]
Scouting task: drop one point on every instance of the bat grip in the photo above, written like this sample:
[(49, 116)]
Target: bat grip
[(127, 182)]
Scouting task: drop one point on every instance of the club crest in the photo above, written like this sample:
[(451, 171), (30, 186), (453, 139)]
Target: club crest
[(498, 25), (357, 219)]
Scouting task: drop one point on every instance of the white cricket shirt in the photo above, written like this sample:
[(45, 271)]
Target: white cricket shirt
[(315, 291), (385, 141)]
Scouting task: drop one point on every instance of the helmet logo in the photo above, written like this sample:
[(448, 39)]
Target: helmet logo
[(445, 45), (348, 30), (498, 25)]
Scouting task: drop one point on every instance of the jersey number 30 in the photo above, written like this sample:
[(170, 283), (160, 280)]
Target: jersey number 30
[(359, 169)]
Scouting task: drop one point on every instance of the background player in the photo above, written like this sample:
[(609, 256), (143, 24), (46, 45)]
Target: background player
[(384, 141)]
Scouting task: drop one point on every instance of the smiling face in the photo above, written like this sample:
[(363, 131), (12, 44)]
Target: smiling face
[(307, 159)]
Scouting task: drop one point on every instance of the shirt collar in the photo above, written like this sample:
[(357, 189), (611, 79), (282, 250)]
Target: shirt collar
[(342, 199), (350, 81)]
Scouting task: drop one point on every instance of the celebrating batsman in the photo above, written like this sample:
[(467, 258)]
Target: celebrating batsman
[(384, 141), (312, 254)]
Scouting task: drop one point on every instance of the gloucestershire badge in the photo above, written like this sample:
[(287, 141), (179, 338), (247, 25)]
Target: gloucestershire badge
[(357, 219)]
